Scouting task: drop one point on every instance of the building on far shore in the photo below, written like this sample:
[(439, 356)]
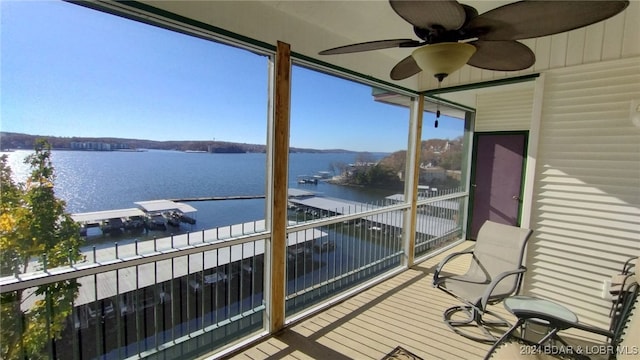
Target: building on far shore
[(96, 146)]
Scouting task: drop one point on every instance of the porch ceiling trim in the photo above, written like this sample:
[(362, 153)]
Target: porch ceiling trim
[(483, 84)]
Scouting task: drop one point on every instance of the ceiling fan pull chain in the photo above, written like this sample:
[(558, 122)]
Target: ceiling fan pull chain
[(438, 103)]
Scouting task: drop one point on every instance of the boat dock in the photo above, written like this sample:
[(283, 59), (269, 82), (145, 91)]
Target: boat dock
[(430, 225), (293, 192), (442, 204), (155, 214), (181, 266), (110, 284), (218, 198), (149, 215), (132, 278)]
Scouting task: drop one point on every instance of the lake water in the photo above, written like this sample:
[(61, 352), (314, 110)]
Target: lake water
[(96, 181)]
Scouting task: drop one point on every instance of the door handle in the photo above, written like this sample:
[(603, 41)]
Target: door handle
[(516, 197)]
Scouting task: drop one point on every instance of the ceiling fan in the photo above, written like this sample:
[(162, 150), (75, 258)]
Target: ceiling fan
[(453, 34)]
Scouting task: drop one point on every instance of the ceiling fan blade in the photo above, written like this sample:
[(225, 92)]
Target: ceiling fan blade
[(371, 45), (426, 14), (470, 13), (529, 19), (506, 55), (407, 67)]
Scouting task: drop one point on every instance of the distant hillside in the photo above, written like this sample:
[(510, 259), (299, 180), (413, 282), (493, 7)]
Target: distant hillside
[(10, 140), (446, 154), (440, 160)]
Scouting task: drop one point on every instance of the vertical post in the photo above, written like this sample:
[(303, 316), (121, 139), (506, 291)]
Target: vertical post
[(118, 314), (49, 316), (280, 146), (411, 180), (532, 152), (464, 209)]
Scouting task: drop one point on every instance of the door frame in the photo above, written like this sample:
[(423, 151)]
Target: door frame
[(472, 174)]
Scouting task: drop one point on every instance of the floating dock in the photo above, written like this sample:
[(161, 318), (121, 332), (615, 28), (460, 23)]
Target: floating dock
[(152, 215)]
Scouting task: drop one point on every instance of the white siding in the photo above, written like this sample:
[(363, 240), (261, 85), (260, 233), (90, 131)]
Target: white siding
[(586, 204), (615, 38), (507, 110)]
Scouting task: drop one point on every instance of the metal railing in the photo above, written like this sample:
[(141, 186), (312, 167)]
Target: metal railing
[(353, 248), (193, 293), (360, 242), (167, 294), (439, 220)]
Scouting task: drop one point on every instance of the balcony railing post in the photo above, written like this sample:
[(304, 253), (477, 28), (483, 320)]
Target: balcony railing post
[(413, 172), (279, 140), (118, 314), (16, 266), (49, 316), (97, 313)]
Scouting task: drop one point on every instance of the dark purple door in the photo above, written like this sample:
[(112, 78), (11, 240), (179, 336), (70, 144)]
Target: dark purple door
[(497, 180)]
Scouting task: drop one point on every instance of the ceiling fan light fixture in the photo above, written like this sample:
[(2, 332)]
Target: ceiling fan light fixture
[(444, 58)]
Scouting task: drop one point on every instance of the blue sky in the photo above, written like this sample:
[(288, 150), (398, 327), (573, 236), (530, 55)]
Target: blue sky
[(71, 71)]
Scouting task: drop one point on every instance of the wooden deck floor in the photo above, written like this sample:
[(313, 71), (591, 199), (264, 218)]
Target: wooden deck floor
[(404, 310)]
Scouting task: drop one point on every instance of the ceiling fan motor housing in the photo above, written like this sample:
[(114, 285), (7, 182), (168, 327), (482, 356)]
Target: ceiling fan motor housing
[(444, 58)]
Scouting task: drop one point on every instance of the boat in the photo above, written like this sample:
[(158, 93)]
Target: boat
[(134, 223), (112, 226), (187, 219), (323, 175), (156, 222), (172, 217), (305, 179)]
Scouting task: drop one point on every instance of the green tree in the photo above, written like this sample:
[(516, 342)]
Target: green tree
[(35, 234), (451, 160), (377, 175)]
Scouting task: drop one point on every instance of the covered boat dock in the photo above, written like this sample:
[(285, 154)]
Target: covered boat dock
[(435, 226), (138, 218)]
